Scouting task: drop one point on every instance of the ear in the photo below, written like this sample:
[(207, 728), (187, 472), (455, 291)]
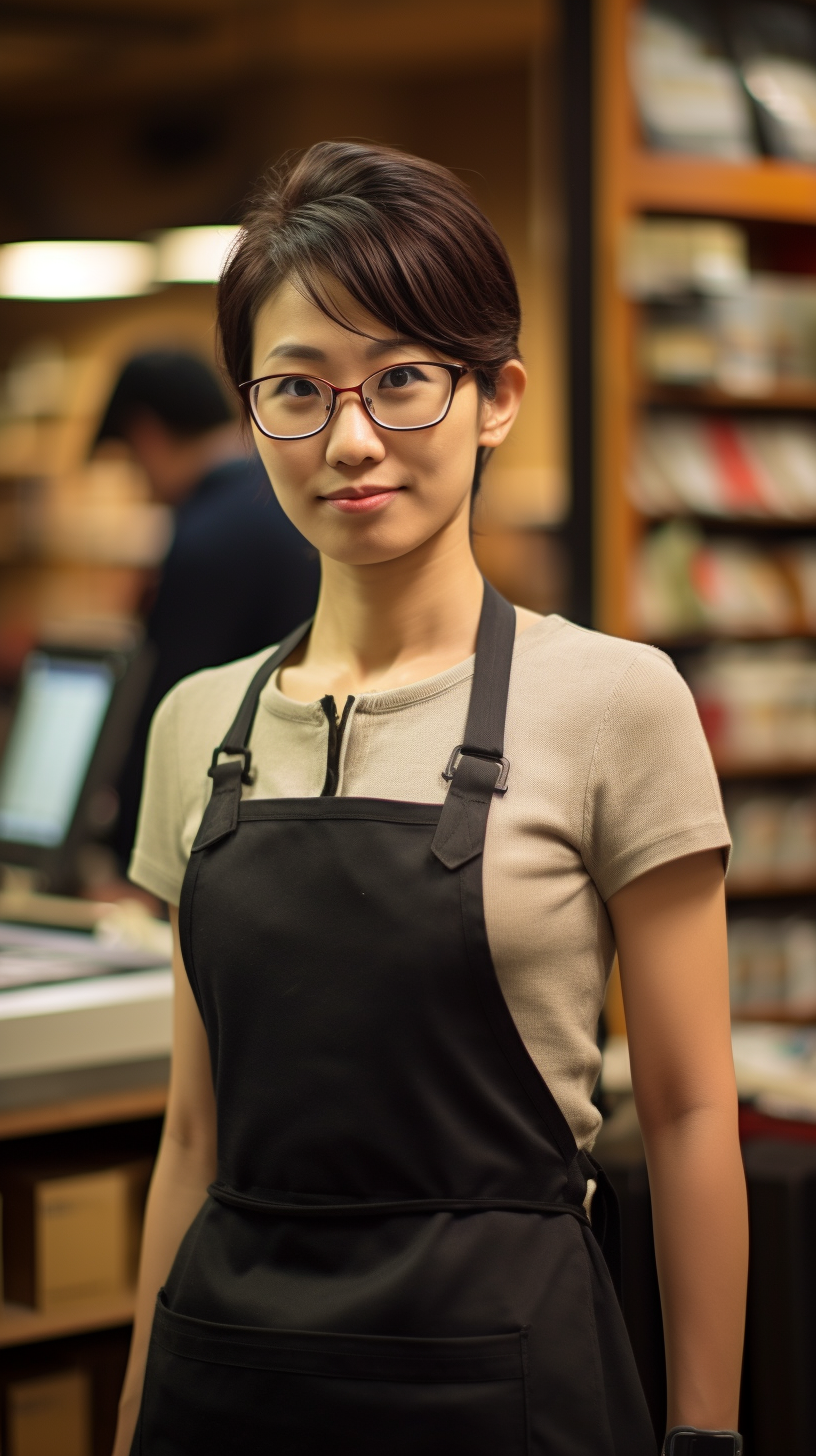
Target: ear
[(499, 413)]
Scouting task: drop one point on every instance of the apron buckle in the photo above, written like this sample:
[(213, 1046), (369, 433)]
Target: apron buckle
[(497, 758), (246, 773)]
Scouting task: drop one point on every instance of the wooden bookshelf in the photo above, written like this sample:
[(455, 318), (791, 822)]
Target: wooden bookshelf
[(618, 527), (631, 182), (50, 570)]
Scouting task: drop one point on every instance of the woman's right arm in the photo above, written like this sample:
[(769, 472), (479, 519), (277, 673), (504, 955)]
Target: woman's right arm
[(184, 1167)]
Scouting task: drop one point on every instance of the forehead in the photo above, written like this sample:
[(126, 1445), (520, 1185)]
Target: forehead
[(290, 329)]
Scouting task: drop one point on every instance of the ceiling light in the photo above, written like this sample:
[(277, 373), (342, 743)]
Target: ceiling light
[(193, 254), (76, 270)]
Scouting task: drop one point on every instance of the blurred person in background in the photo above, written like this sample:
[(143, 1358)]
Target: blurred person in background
[(238, 575)]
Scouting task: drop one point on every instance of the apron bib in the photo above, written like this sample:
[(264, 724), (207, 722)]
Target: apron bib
[(394, 1259)]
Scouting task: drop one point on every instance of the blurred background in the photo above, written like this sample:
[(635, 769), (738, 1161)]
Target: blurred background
[(128, 122), (651, 165)]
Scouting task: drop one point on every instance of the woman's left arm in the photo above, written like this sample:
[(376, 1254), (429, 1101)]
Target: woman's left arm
[(670, 931)]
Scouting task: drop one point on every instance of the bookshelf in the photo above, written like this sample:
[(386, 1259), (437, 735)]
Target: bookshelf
[(630, 183), (78, 539)]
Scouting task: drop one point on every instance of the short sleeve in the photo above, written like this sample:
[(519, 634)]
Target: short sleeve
[(159, 858), (652, 794)]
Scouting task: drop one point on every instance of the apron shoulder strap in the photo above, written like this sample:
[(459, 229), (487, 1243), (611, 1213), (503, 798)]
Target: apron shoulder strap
[(477, 768), (221, 814)]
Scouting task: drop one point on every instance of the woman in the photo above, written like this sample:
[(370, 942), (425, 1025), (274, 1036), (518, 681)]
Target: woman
[(400, 890)]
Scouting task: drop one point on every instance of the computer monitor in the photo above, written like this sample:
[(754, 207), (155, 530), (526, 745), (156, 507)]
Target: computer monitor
[(69, 732)]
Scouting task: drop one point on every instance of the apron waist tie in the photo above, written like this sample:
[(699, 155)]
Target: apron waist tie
[(229, 1196)]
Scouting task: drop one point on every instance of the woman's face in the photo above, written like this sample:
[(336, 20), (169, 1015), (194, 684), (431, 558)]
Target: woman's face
[(360, 493)]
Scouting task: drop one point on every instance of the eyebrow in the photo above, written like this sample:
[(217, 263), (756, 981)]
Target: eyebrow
[(292, 349)]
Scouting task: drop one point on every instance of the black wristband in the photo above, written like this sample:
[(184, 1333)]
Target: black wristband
[(690, 1441)]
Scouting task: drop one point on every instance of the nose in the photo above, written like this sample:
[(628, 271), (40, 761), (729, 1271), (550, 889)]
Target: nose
[(352, 437)]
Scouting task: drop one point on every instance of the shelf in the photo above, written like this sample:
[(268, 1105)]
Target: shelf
[(690, 642), (730, 522), (112, 1107), (766, 189), (779, 1015), (766, 888), (708, 396), (745, 768), (22, 1326)]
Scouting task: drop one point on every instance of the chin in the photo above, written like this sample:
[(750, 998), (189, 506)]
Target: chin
[(371, 544), (370, 554)]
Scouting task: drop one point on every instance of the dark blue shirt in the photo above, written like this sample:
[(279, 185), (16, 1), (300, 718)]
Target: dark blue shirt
[(238, 577)]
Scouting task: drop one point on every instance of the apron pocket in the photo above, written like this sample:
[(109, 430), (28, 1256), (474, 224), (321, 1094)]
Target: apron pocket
[(227, 1388)]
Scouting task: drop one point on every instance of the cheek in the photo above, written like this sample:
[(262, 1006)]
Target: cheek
[(445, 469), (290, 471)]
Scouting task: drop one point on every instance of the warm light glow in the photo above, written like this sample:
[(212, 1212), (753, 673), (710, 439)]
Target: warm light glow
[(193, 254), (76, 270)]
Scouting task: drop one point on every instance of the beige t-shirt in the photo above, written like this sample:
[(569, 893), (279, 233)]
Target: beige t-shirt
[(610, 775)]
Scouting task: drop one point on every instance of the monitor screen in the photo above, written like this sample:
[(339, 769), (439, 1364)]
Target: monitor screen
[(56, 728)]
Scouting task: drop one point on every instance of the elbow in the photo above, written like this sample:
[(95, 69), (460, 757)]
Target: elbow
[(686, 1111), (190, 1136)]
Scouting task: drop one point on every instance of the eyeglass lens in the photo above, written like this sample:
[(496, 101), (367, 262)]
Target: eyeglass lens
[(403, 397)]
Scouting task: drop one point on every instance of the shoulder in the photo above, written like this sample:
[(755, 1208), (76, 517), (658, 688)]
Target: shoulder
[(187, 725), (214, 689), (200, 708), (590, 672), (626, 744)]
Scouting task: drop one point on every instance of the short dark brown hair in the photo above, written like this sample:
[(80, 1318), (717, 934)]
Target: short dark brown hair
[(402, 235)]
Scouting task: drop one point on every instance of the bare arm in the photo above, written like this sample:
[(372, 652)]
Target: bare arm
[(670, 931), (184, 1168)]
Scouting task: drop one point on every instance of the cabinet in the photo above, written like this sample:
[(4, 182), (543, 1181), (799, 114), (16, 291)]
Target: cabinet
[(91, 1336)]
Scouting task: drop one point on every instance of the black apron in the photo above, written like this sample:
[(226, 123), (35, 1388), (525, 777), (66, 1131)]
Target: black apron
[(394, 1259)]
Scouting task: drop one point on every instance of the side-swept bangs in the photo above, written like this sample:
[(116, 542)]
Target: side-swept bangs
[(403, 236)]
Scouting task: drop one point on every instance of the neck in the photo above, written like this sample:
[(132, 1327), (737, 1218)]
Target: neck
[(376, 623)]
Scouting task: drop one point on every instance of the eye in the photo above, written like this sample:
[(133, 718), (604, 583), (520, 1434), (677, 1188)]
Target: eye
[(402, 375), (297, 386)]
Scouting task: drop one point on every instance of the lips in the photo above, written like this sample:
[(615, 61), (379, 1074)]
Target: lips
[(359, 499)]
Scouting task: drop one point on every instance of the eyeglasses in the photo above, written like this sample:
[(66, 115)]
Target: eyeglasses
[(410, 396)]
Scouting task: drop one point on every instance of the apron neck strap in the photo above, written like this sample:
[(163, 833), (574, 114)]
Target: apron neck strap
[(236, 739), (477, 768), (221, 814), (484, 730)]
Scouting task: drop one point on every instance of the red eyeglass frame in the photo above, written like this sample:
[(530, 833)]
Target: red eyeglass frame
[(456, 372)]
